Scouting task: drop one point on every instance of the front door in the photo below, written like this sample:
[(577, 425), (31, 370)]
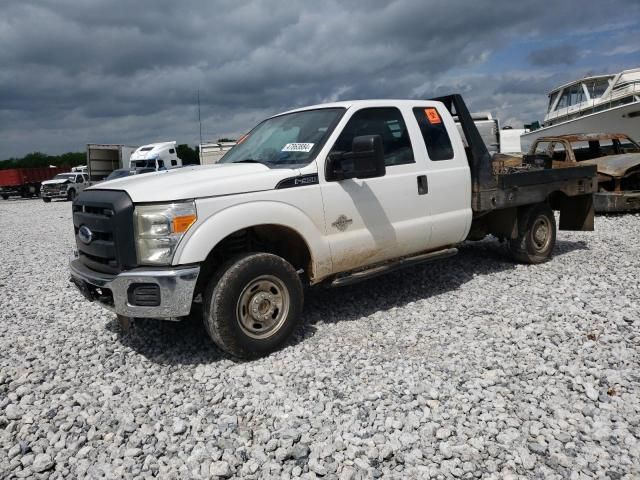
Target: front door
[(369, 220)]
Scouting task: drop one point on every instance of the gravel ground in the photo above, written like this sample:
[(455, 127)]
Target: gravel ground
[(468, 368)]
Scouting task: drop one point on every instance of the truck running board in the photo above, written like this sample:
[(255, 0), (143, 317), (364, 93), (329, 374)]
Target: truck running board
[(374, 271)]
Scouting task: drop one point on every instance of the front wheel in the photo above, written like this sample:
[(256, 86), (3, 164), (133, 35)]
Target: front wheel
[(46, 199), (536, 235), (253, 304), (71, 194), (5, 196)]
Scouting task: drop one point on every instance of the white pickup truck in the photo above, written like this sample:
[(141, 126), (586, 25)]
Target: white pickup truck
[(329, 194), (64, 185)]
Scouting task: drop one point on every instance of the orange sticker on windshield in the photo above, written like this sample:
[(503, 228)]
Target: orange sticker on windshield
[(432, 115), (242, 139)]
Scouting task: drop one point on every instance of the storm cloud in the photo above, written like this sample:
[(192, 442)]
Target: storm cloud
[(129, 72), (558, 55)]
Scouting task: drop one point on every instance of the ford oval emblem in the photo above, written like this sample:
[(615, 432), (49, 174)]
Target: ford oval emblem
[(85, 235)]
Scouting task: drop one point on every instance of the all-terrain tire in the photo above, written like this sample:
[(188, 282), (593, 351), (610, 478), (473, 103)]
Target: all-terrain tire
[(5, 196), (46, 199), (536, 235), (253, 304), (71, 194)]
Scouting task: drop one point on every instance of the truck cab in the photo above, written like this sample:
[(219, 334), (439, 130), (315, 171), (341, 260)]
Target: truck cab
[(328, 194), (159, 156)]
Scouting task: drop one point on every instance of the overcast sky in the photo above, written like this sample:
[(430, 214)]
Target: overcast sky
[(89, 71)]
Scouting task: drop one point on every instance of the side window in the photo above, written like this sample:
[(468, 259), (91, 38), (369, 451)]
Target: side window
[(434, 133), (542, 148), (174, 163), (386, 122), (79, 179), (564, 99), (559, 152), (171, 150)]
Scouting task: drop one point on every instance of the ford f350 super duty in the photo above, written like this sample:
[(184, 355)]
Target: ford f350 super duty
[(329, 194)]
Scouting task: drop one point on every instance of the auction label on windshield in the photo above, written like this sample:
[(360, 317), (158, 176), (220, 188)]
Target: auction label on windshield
[(298, 147)]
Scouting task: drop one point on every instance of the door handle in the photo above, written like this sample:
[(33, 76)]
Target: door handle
[(423, 185)]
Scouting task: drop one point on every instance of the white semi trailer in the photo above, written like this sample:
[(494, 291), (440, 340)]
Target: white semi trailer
[(102, 159)]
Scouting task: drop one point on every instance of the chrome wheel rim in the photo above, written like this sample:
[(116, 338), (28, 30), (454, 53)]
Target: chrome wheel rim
[(263, 307), (541, 233)]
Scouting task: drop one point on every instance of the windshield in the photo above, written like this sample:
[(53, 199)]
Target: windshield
[(143, 164), (118, 174), (65, 176), (289, 140)]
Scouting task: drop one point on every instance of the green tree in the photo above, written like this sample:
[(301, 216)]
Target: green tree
[(188, 155), (39, 159)]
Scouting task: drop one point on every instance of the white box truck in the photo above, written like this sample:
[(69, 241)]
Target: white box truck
[(211, 152)]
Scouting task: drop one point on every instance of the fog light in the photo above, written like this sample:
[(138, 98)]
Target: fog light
[(144, 295)]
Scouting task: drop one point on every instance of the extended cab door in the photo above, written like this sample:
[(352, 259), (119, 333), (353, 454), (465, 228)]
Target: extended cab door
[(375, 219), (447, 171)]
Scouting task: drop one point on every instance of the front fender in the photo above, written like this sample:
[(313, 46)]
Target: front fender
[(200, 240)]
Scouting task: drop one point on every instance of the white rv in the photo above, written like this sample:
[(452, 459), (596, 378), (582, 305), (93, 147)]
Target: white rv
[(159, 156)]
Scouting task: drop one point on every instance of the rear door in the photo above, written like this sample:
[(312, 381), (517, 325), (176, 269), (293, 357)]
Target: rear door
[(447, 171), (369, 220)]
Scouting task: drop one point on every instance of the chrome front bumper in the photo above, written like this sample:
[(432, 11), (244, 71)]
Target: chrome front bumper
[(176, 287), (53, 194)]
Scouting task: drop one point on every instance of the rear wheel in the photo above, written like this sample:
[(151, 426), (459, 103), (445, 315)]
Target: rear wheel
[(253, 304), (536, 235), (46, 199), (5, 196)]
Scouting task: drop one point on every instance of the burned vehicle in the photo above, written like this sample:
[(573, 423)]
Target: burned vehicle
[(616, 156)]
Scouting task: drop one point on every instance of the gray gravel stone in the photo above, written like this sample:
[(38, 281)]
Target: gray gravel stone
[(42, 463), (179, 426), (220, 469), (13, 412), (472, 367)]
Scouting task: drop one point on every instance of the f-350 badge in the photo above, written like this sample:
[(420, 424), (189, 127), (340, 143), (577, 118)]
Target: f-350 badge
[(342, 223)]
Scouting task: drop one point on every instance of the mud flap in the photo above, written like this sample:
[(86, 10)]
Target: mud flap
[(577, 213)]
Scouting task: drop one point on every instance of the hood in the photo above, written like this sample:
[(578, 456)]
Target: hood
[(198, 182), (615, 165), (56, 181)]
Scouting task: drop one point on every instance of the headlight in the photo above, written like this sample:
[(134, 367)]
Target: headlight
[(159, 228)]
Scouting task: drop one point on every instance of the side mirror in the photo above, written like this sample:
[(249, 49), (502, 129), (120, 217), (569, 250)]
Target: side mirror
[(366, 160)]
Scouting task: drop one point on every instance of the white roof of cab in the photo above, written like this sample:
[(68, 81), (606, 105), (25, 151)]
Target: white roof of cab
[(365, 103), (157, 145)]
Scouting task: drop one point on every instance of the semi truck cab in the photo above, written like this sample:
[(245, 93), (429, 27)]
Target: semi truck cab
[(159, 156)]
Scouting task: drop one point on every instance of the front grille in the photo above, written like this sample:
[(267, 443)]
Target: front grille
[(51, 188), (108, 214)]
